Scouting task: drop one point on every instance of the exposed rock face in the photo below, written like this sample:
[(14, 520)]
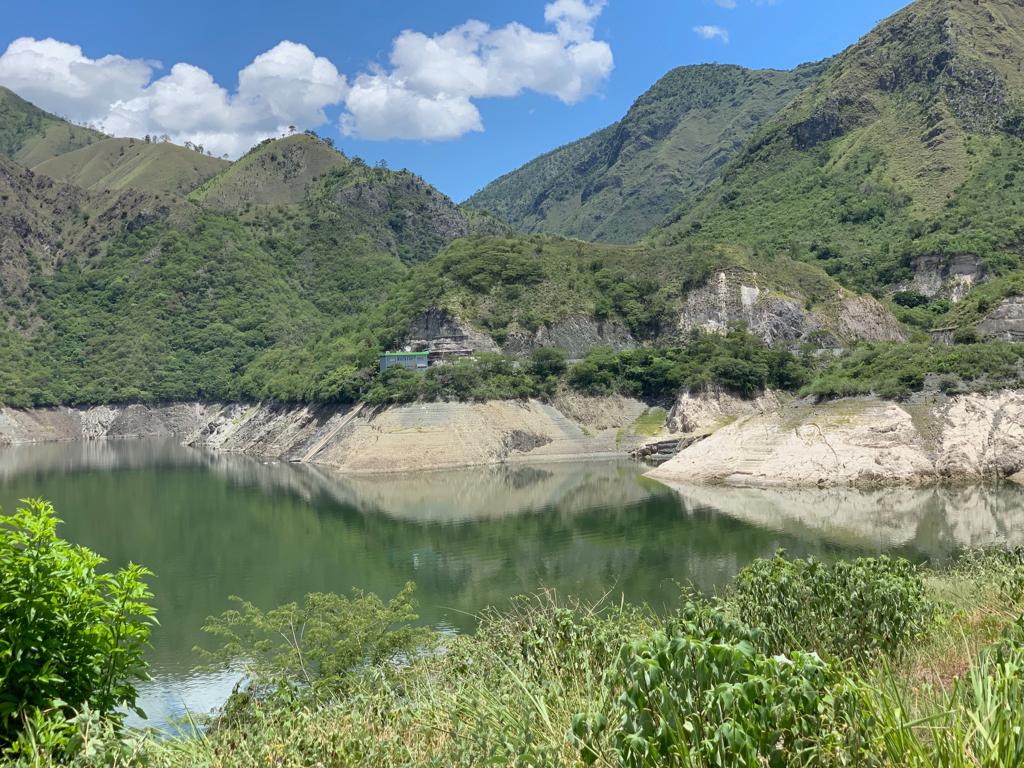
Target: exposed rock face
[(600, 413), (950, 277), (862, 318), (735, 297), (982, 435), (710, 410), (414, 437), (358, 440), (56, 424), (862, 441), (1006, 323), (438, 329), (576, 335)]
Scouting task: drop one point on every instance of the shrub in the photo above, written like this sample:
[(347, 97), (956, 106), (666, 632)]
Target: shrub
[(857, 609), (317, 645), (699, 693), (73, 638), (546, 362)]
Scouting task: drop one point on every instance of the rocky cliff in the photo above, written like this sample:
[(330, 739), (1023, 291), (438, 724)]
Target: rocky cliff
[(741, 297), (765, 442)]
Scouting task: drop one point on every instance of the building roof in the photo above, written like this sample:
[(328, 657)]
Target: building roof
[(405, 354)]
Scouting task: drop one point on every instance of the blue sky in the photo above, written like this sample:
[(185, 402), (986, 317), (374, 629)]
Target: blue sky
[(592, 60)]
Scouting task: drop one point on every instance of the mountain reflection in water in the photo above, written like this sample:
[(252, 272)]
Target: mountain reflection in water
[(212, 525)]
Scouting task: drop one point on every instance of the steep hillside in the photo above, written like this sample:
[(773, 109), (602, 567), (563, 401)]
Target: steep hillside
[(127, 295), (618, 183), (900, 167), (44, 224), (114, 164), (31, 136)]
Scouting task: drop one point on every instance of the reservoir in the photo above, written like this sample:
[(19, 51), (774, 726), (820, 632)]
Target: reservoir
[(213, 525)]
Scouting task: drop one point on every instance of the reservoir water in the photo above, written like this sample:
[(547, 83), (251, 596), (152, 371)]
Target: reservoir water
[(213, 525)]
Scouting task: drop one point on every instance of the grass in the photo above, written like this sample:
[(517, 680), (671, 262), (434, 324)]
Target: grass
[(118, 164), (554, 682), (650, 423), (30, 135)]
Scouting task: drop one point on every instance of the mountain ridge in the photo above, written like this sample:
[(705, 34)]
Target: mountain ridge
[(618, 183)]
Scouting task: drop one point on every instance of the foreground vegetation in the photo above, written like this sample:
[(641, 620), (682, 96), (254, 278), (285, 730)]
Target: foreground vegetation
[(868, 662)]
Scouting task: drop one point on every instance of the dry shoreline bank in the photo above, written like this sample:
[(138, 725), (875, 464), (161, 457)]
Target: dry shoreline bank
[(768, 442)]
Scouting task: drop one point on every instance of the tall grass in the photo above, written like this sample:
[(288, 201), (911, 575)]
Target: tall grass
[(554, 682)]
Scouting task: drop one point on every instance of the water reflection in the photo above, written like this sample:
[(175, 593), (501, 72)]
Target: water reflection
[(932, 522), (212, 525)]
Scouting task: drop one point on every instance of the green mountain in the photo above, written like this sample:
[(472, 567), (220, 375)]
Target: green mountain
[(903, 157), (31, 136), (271, 173), (123, 294), (882, 203), (617, 184), (114, 164)]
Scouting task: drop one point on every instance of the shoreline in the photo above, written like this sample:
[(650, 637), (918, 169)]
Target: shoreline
[(768, 443)]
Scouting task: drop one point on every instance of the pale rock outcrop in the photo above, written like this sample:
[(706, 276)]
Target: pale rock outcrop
[(863, 318), (1005, 322), (735, 297), (706, 411), (599, 413), (950, 277), (439, 329), (420, 436), (862, 441), (982, 435), (576, 335), (40, 425)]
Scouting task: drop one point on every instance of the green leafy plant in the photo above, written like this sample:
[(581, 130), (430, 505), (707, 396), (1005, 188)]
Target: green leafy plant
[(73, 638), (700, 693), (318, 645), (859, 609)]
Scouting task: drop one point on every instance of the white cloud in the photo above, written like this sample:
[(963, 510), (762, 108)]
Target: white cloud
[(58, 77), (381, 107), (710, 32), (428, 91), (287, 85), (730, 4)]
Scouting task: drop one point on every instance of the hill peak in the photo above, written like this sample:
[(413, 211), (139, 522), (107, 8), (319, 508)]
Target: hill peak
[(274, 172), (114, 164)]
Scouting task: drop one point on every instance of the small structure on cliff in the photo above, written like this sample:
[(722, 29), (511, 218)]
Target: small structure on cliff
[(419, 359), (413, 361)]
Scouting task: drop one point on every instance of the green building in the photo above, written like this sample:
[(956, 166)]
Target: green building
[(414, 361)]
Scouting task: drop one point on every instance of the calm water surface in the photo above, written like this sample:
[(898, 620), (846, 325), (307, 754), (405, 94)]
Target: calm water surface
[(214, 525)]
